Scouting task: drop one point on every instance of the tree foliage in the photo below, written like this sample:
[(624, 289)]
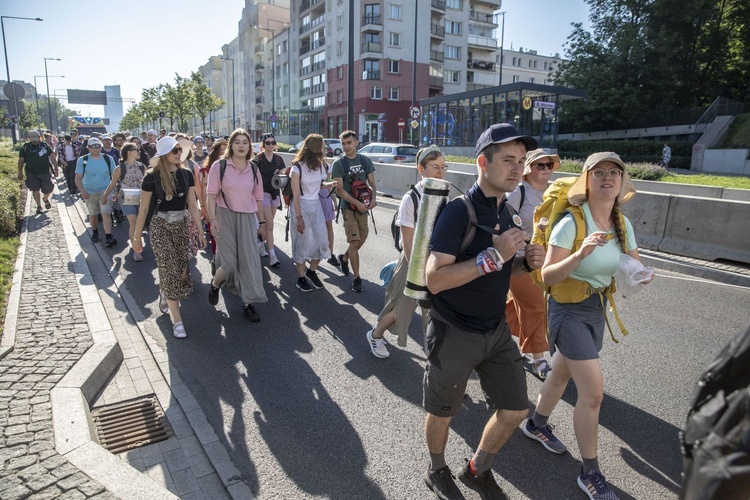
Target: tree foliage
[(645, 56)]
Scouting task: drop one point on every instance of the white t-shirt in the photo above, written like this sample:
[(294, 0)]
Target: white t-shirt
[(406, 216), (532, 200), (310, 181)]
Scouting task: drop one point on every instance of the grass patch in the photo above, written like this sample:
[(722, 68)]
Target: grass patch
[(11, 206), (709, 180), (739, 133)]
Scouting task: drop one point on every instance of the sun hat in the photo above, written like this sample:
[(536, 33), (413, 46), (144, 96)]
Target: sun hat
[(151, 132), (577, 193), (533, 156), (93, 140), (500, 133), (167, 144)]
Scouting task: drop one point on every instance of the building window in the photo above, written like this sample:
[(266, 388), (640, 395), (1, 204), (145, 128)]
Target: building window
[(372, 10), (394, 66), (339, 97), (395, 39), (339, 48), (453, 4), (393, 93), (340, 70), (545, 65), (394, 11), (377, 92), (340, 22), (516, 78), (452, 52), (452, 28), (452, 76), (514, 61), (531, 79)]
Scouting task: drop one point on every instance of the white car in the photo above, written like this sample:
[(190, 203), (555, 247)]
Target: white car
[(335, 145), (381, 152)]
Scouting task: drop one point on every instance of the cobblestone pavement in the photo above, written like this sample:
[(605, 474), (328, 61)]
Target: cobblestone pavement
[(52, 335)]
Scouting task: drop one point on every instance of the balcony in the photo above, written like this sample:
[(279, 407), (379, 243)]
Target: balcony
[(260, 48), (259, 117), (307, 47), (482, 17), (314, 89), (483, 42), (312, 68), (480, 64), (372, 21), (436, 55), (372, 47), (437, 31), (371, 75), (260, 100), (259, 83), (438, 5), (259, 67), (436, 81), (312, 24), (306, 4), (494, 4)]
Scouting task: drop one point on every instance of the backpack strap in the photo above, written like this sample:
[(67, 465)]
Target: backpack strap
[(471, 229), (222, 171), (523, 195), (415, 198)]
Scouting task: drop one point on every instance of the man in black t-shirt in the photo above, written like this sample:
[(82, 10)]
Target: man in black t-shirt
[(467, 330), (36, 158)]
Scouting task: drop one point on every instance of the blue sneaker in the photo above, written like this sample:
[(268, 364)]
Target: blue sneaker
[(594, 485), (544, 435)]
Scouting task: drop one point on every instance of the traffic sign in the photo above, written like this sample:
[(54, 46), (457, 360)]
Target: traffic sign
[(414, 112), (16, 107), (401, 123), (273, 117), (19, 91), (414, 124), (544, 105)]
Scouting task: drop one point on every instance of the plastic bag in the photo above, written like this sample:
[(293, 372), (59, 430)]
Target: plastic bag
[(631, 275), (386, 272)]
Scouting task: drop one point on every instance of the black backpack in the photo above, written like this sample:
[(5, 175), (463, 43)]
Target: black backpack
[(153, 206), (396, 229), (716, 440), (107, 158)]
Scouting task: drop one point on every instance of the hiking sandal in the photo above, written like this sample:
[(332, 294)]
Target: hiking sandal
[(541, 368)]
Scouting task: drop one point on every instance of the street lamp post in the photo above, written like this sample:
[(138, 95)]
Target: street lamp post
[(502, 40), (52, 124), (273, 63), (234, 107), (7, 68), (36, 90)]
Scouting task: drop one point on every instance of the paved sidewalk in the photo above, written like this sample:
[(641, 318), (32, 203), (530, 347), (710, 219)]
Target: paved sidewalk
[(52, 335)]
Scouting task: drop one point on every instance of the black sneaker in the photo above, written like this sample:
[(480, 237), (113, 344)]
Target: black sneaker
[(442, 484), (110, 242), (213, 294), (357, 285), (313, 277), (250, 313), (303, 285), (344, 265), (95, 236), (333, 261), (485, 484)]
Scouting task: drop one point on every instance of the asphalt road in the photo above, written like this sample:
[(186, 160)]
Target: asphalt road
[(307, 412)]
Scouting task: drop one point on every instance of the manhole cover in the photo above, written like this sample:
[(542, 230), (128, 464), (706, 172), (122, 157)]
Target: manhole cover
[(130, 424)]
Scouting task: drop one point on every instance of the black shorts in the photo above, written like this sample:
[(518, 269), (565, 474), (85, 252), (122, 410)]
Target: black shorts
[(453, 354), (40, 182)]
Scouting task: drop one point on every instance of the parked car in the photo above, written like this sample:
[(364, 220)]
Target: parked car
[(336, 146), (381, 152), (296, 147)]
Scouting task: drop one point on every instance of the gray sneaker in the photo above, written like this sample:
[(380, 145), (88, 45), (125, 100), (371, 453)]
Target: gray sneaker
[(377, 346), (442, 484)]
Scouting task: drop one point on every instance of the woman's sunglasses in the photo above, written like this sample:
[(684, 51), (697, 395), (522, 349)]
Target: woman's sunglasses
[(176, 150), (270, 143), (542, 166)]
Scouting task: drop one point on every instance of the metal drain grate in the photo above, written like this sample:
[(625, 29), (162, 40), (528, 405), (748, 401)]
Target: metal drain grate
[(130, 424)]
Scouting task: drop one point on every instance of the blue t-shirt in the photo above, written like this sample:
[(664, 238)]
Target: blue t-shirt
[(596, 269), (98, 173), (477, 305), (114, 153)]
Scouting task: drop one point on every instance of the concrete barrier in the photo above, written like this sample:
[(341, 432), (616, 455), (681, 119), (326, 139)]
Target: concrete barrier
[(735, 194), (707, 229), (648, 215)]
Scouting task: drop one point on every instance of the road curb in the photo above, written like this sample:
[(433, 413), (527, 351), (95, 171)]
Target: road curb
[(8, 342), (71, 396), (698, 271)]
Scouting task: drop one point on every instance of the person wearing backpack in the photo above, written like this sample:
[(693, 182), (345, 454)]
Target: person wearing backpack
[(129, 173), (234, 202), (398, 310), (524, 310), (269, 164), (93, 175), (354, 175), (576, 327), (36, 158), (467, 330), (167, 192)]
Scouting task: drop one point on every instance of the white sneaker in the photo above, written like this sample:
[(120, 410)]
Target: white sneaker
[(274, 261), (262, 249), (377, 346)]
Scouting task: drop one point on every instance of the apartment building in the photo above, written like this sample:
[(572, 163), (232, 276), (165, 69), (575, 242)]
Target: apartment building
[(527, 66)]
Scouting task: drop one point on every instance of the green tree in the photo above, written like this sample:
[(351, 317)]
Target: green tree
[(133, 119), (29, 119), (204, 100)]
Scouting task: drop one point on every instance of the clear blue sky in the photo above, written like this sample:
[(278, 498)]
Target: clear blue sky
[(145, 43)]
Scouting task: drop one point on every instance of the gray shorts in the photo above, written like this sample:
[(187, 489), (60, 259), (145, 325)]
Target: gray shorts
[(40, 182), (94, 205), (576, 330), (454, 353)]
